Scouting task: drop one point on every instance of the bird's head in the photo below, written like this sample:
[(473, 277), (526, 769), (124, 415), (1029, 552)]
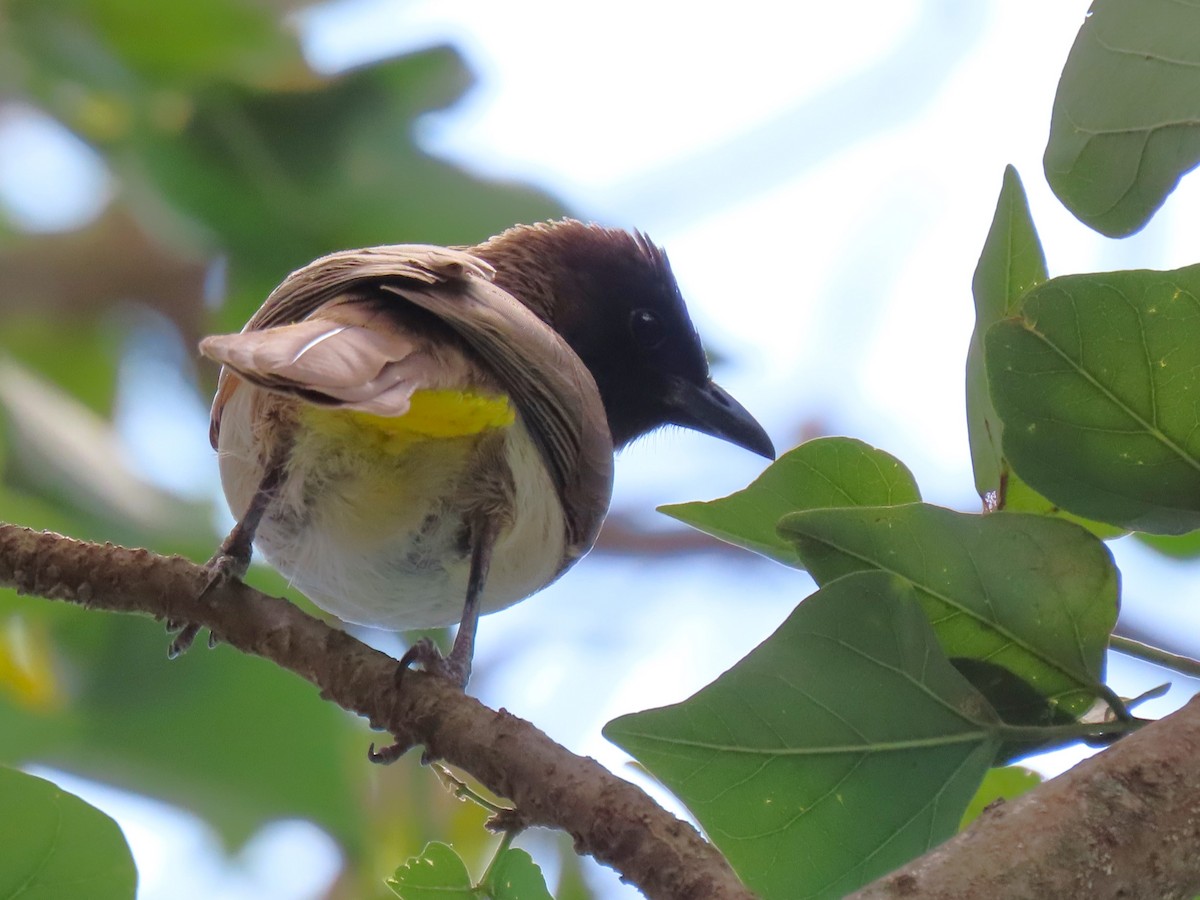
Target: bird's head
[(612, 296)]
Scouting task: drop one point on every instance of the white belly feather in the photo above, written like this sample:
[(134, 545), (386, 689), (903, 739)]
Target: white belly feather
[(351, 532)]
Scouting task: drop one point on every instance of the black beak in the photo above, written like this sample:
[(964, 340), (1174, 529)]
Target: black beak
[(707, 408)]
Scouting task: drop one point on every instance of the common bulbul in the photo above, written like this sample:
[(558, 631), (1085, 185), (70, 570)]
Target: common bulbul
[(415, 435)]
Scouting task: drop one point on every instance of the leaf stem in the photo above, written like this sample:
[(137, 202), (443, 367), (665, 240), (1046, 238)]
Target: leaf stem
[(1115, 703), (506, 839), (463, 791), (1160, 657), (1072, 731)]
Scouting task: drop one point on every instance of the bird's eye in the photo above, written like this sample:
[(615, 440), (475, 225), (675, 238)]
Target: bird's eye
[(647, 328)]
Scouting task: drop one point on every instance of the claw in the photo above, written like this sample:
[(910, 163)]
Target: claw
[(389, 754), (426, 654), (222, 568), (183, 640)]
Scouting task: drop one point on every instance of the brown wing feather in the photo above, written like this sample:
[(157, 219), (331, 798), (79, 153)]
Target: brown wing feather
[(346, 355), (379, 290)]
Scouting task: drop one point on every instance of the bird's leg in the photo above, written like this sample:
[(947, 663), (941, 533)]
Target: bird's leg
[(232, 558), (457, 666)]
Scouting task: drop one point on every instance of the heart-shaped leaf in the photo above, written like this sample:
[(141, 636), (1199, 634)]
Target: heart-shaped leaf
[(841, 747), (515, 876), (1033, 594), (1097, 382), (437, 874), (1124, 126), (831, 471), (55, 845)]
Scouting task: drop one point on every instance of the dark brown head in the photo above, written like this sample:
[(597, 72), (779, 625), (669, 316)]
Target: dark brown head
[(611, 295)]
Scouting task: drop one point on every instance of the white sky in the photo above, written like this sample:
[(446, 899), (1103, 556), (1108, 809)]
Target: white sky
[(823, 176)]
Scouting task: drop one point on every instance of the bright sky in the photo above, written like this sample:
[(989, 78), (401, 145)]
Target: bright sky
[(823, 176)]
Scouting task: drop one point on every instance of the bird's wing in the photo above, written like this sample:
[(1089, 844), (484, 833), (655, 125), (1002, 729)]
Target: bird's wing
[(365, 328), (351, 353)]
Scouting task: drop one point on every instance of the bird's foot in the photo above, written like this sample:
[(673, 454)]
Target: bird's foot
[(223, 568), (185, 635), (455, 668), (385, 756)]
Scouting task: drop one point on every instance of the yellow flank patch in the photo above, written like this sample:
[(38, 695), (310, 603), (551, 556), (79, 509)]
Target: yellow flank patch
[(431, 415)]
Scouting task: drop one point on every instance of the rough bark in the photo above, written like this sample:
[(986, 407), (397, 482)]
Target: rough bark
[(1123, 824), (608, 817)]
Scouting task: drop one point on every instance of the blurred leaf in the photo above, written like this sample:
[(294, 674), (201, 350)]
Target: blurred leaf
[(1035, 595), (437, 874), (57, 846), (27, 671), (1011, 263), (1177, 546), (1003, 784), (75, 356), (571, 884), (281, 178), (1124, 126), (117, 43), (74, 455), (218, 169), (841, 747), (430, 812), (55, 291), (515, 876), (233, 738), (825, 472), (1096, 383)]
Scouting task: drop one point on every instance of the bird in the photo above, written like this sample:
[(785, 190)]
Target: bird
[(415, 435)]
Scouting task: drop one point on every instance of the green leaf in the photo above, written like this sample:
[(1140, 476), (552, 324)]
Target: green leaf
[(1097, 383), (1035, 595), (123, 43), (1006, 783), (1020, 497), (281, 178), (515, 876), (1176, 546), (832, 471), (1012, 262), (55, 845), (841, 747), (70, 454), (1015, 701), (571, 883), (79, 356), (233, 738), (1124, 126), (437, 874)]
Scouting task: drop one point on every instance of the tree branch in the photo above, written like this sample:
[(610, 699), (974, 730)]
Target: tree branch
[(609, 818), (1123, 824)]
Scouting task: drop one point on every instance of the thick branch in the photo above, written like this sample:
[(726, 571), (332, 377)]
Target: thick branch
[(1123, 824), (609, 818)]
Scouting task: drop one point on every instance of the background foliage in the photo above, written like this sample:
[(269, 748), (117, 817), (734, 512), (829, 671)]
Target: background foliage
[(938, 644), (232, 163)]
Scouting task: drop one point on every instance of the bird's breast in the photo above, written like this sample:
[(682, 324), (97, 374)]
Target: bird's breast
[(371, 521)]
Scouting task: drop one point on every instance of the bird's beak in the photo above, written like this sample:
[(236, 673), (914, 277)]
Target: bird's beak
[(708, 408)]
